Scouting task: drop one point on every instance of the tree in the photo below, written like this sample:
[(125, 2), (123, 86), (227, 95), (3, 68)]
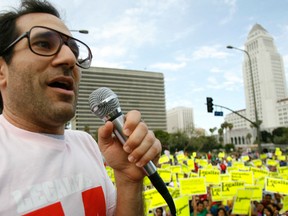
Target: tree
[(212, 130), (220, 132), (248, 137), (163, 137)]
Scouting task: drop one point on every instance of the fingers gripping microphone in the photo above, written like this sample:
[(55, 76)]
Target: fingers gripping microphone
[(104, 103)]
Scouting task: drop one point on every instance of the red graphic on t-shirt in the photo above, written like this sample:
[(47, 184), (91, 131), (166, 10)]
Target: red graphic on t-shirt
[(93, 201)]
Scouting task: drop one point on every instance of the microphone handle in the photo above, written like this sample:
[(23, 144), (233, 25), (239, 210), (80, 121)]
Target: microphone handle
[(118, 123), (149, 168)]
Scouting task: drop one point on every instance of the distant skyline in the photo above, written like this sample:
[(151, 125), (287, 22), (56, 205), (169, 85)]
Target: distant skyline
[(184, 39)]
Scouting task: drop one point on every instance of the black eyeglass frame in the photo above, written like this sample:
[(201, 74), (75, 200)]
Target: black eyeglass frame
[(62, 42)]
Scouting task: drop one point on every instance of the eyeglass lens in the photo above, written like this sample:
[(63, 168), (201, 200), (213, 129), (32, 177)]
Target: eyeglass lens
[(48, 42)]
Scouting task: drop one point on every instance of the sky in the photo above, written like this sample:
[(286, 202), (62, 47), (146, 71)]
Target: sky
[(183, 39)]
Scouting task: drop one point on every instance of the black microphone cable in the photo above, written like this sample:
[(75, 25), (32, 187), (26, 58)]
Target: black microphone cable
[(105, 104)]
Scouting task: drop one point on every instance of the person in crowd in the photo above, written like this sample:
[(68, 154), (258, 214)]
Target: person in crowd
[(267, 199), (197, 207), (159, 211), (45, 169), (267, 211), (222, 212)]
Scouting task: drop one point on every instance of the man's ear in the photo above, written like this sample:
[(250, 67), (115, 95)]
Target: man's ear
[(3, 72)]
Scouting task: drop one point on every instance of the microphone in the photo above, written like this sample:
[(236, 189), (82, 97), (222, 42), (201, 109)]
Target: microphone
[(104, 103)]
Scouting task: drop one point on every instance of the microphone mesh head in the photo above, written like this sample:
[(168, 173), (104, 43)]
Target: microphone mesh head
[(103, 101)]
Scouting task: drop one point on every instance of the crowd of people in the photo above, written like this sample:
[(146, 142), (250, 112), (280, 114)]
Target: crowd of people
[(202, 205)]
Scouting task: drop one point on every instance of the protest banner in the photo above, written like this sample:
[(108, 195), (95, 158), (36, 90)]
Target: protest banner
[(192, 186), (275, 185), (245, 176), (283, 170), (176, 169), (190, 164), (242, 202), (285, 205), (257, 172), (164, 159), (216, 193), (165, 174), (224, 177), (212, 176), (257, 192), (229, 189), (182, 206)]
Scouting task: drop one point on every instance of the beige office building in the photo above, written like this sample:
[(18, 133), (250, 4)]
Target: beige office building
[(139, 90)]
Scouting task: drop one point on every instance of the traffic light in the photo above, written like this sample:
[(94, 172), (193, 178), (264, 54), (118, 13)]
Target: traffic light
[(209, 101)]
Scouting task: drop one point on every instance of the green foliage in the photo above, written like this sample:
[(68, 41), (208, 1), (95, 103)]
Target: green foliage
[(280, 135)]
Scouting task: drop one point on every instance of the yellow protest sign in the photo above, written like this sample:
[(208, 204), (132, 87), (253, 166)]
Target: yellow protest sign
[(285, 205), (192, 186), (180, 157), (216, 193), (164, 159), (165, 174), (242, 202), (257, 163), (203, 163), (244, 176), (190, 163), (194, 154), (186, 169), (229, 158), (229, 189), (182, 206), (263, 156), (273, 174), (283, 170), (221, 154), (156, 200), (212, 176), (166, 166), (275, 185), (260, 182), (278, 152), (245, 158), (146, 181), (229, 169), (192, 174), (271, 162), (176, 169), (238, 164), (257, 192), (259, 172), (281, 157), (225, 177)]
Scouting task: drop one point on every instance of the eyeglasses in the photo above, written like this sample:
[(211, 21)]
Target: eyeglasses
[(45, 41)]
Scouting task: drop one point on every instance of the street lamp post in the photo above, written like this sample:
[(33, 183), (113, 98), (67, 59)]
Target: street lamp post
[(257, 123), (82, 31)]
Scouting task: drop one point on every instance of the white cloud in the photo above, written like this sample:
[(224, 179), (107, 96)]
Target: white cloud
[(207, 52), (231, 4)]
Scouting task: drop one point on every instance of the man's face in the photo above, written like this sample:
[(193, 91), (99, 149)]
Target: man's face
[(200, 207), (35, 87)]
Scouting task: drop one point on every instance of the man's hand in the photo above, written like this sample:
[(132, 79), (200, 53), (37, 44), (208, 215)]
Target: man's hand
[(140, 147)]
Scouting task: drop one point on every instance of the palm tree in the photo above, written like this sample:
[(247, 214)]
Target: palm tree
[(212, 130), (224, 126), (220, 132), (248, 137)]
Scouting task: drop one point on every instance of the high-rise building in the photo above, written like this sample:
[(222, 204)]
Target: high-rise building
[(180, 119), (269, 83), (268, 74), (140, 90)]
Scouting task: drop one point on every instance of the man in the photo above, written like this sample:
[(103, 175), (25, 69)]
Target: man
[(45, 169)]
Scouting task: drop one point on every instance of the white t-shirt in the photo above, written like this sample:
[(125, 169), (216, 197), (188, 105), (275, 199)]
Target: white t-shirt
[(52, 175)]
